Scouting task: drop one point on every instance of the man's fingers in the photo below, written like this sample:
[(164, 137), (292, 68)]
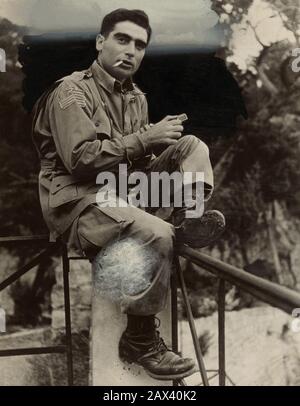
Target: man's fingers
[(177, 128), (168, 118), (174, 121)]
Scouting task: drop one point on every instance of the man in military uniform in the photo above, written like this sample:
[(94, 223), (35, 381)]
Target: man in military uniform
[(93, 121)]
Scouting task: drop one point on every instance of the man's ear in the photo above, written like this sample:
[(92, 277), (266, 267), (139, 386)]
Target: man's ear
[(99, 42)]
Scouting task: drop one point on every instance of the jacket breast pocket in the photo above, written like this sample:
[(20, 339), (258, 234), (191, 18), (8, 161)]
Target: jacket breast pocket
[(63, 190)]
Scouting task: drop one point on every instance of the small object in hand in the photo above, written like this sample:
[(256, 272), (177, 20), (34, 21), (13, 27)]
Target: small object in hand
[(182, 117), (117, 64)]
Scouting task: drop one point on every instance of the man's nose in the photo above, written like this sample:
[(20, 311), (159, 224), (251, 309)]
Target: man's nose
[(130, 51)]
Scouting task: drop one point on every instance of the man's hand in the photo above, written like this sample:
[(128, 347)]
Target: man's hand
[(165, 132)]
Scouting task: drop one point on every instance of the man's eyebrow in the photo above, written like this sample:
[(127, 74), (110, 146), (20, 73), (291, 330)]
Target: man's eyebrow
[(140, 42), (128, 37)]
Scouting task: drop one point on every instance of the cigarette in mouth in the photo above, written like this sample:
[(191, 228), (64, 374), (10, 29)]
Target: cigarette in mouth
[(117, 64)]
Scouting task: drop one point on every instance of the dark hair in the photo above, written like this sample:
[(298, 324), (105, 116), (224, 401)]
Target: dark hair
[(138, 17)]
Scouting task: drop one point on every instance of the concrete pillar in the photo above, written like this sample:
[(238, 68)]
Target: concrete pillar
[(107, 326)]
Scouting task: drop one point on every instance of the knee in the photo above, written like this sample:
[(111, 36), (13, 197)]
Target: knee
[(204, 148), (163, 238), (190, 143), (190, 139), (194, 142), (165, 232)]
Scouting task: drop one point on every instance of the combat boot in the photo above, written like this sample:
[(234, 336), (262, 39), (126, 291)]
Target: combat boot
[(151, 352), (199, 232)]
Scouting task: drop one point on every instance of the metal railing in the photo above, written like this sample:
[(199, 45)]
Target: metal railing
[(268, 292), (51, 249)]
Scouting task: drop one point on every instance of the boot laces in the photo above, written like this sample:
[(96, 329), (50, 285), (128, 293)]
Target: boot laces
[(158, 345)]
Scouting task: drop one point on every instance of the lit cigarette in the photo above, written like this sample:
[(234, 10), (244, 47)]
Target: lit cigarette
[(117, 64)]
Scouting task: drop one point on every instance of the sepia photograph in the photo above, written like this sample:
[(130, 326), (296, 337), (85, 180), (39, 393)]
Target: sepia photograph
[(149, 195)]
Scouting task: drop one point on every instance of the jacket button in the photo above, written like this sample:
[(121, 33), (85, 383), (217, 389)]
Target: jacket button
[(97, 123)]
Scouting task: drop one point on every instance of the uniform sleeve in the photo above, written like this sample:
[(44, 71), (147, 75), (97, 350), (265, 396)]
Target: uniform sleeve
[(75, 135), (134, 142)]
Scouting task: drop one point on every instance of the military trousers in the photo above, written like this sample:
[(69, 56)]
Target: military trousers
[(133, 249)]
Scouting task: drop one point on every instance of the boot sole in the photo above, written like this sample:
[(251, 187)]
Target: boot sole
[(165, 377), (172, 377)]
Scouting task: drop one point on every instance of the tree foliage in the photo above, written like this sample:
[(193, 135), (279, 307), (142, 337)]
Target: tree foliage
[(265, 164)]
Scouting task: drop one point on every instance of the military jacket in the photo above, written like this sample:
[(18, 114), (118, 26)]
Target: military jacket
[(84, 124)]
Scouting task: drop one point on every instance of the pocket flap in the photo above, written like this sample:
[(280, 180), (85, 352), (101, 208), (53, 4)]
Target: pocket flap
[(59, 182), (102, 122), (102, 130)]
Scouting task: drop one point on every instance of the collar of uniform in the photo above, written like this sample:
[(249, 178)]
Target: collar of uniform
[(108, 82)]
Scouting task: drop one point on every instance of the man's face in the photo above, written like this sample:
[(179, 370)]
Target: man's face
[(127, 44)]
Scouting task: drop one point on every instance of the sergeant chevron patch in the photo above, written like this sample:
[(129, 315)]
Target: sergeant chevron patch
[(71, 95)]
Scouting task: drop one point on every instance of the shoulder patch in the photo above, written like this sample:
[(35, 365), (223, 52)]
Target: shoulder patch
[(69, 94)]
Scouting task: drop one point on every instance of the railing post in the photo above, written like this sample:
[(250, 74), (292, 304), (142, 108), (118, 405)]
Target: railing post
[(66, 269), (221, 331), (174, 313), (174, 317), (191, 323)]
